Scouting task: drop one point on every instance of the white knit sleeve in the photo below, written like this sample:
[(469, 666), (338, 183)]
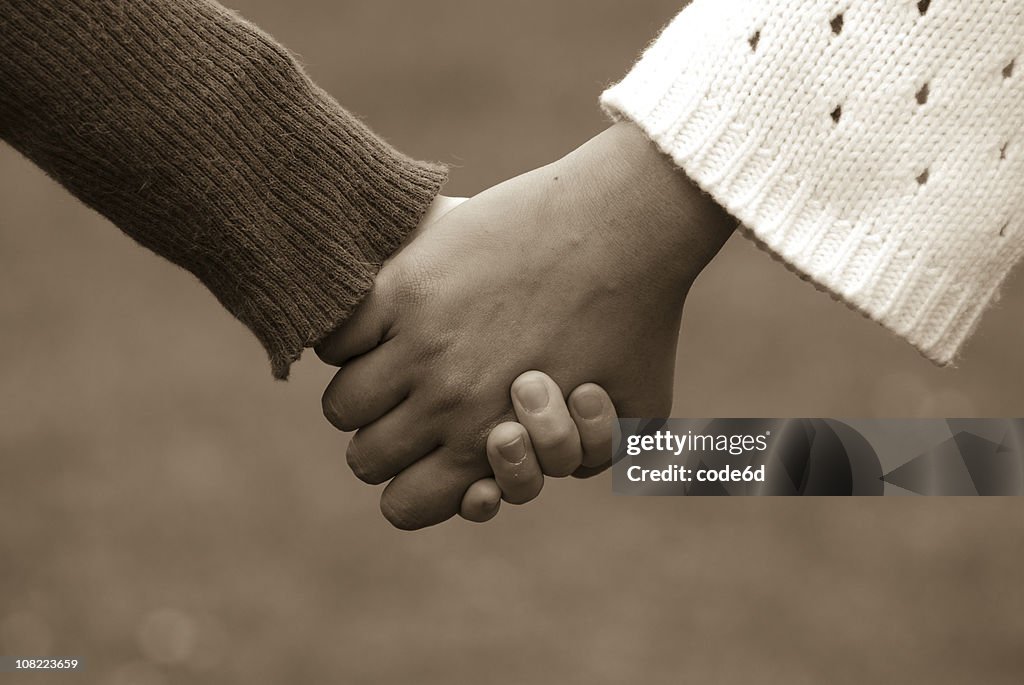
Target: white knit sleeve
[(876, 146)]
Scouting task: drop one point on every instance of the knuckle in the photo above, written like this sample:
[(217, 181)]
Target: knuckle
[(450, 397), (470, 462), (432, 349), (325, 352), (460, 380), (399, 513), (363, 465), (336, 411)]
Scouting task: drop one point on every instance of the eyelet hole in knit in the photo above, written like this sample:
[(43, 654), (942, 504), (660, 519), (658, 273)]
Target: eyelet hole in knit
[(837, 114), (1008, 69), (1002, 151), (923, 6), (755, 40), (1004, 230), (837, 24), (922, 95), (923, 178)]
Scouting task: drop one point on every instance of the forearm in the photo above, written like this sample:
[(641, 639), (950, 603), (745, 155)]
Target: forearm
[(201, 138)]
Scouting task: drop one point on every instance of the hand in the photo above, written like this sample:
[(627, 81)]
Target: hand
[(574, 432), (579, 268), (441, 205)]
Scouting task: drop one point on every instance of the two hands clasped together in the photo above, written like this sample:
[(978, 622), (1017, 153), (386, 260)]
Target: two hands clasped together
[(573, 274), (580, 269)]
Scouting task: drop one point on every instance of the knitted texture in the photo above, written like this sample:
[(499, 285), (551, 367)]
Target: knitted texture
[(201, 138), (873, 145)]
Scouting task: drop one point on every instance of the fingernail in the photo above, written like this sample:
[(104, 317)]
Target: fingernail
[(513, 452), (532, 394), (589, 405)]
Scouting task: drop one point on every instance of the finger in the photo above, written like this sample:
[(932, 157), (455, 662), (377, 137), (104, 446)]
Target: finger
[(431, 490), (381, 450), (585, 472), (514, 462), (371, 321), (594, 415), (482, 501), (367, 387), (540, 408), (364, 330)]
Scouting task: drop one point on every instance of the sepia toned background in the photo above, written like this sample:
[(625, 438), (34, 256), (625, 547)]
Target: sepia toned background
[(172, 515)]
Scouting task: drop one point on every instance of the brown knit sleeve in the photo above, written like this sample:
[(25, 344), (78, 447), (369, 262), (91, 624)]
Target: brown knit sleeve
[(201, 138)]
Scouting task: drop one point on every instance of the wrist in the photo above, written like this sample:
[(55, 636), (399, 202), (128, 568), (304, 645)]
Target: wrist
[(647, 203)]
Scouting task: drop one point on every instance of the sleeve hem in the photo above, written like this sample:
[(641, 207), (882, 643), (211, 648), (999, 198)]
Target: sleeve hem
[(926, 283)]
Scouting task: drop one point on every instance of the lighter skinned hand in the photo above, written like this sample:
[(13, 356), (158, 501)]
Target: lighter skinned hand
[(571, 432)]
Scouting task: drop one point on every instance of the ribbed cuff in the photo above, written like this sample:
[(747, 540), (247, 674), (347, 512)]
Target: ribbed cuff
[(352, 203), (311, 277), (820, 153), (202, 138)]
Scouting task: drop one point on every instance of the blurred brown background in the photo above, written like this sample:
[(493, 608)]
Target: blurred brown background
[(172, 515)]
